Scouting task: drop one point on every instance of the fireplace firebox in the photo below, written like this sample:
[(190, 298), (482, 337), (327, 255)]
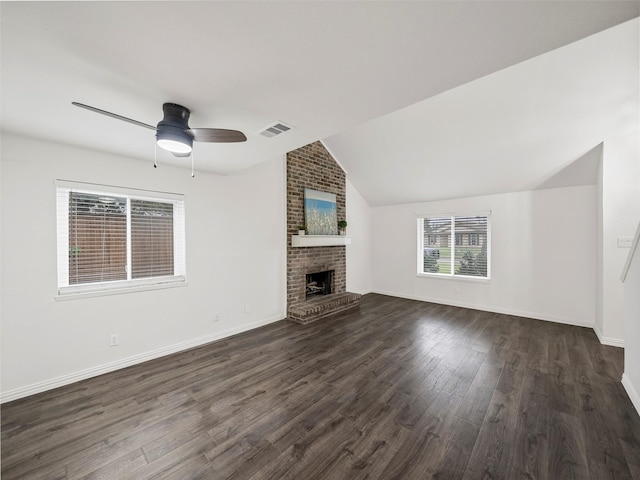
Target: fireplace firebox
[(319, 283)]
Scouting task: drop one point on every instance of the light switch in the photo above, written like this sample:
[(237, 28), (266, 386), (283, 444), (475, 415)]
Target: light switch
[(625, 242)]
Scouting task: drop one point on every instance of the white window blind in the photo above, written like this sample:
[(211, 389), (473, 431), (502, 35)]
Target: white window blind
[(454, 245), (151, 239), (97, 238), (112, 238)]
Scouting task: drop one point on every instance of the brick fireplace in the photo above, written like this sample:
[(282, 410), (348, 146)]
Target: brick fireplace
[(312, 166)]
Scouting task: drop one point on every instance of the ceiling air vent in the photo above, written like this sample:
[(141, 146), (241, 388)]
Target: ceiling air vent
[(275, 129)]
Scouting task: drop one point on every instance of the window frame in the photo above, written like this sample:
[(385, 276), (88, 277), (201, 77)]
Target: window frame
[(68, 291), (421, 245)]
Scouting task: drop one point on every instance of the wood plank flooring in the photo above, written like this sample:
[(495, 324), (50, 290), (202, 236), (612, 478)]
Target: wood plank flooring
[(397, 389)]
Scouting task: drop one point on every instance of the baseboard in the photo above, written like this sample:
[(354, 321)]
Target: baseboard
[(613, 342), (631, 391), (129, 361), (485, 308)]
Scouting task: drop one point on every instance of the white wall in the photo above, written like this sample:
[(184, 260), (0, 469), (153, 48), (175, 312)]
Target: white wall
[(620, 211), (235, 233), (359, 252), (543, 254), (631, 277), (619, 184)]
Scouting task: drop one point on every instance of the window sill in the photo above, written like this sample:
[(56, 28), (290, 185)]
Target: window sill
[(118, 291), (457, 278)]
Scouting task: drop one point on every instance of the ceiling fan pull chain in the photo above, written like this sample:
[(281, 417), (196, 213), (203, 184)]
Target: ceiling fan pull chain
[(155, 155), (192, 174)]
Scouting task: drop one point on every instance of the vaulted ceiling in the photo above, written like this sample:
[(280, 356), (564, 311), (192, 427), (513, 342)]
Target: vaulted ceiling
[(417, 100)]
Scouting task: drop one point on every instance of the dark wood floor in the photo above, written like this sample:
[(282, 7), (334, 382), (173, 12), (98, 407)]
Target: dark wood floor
[(398, 389)]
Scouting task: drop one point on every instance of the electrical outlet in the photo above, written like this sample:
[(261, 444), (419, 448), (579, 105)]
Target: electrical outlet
[(114, 341), (247, 308), (216, 317)]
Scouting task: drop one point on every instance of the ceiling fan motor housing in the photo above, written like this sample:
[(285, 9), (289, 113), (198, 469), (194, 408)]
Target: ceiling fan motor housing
[(174, 113), (175, 124)]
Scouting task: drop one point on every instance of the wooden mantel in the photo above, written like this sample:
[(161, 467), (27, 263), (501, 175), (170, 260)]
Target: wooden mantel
[(319, 240)]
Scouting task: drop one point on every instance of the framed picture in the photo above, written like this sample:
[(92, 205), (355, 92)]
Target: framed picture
[(320, 212)]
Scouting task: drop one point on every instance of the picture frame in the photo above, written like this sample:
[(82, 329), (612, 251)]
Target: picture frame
[(320, 212)]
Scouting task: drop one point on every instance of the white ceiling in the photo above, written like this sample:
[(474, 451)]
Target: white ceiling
[(532, 125), (334, 70)]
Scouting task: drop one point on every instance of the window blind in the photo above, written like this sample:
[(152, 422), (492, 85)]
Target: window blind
[(97, 238), (108, 240), (454, 245), (151, 239)]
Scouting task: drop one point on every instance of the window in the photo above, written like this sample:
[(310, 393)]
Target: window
[(454, 246), (113, 238)]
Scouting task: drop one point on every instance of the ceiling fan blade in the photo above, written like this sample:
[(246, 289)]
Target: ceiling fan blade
[(113, 115), (218, 135)]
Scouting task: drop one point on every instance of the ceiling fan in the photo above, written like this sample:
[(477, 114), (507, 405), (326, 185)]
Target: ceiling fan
[(173, 132)]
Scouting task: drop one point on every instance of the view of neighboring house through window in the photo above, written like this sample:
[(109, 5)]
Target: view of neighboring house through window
[(111, 238), (454, 246)]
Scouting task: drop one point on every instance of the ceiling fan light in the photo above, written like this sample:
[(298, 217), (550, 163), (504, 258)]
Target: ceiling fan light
[(174, 146), (175, 140)]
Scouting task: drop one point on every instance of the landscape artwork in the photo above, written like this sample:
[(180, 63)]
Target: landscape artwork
[(320, 212)]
